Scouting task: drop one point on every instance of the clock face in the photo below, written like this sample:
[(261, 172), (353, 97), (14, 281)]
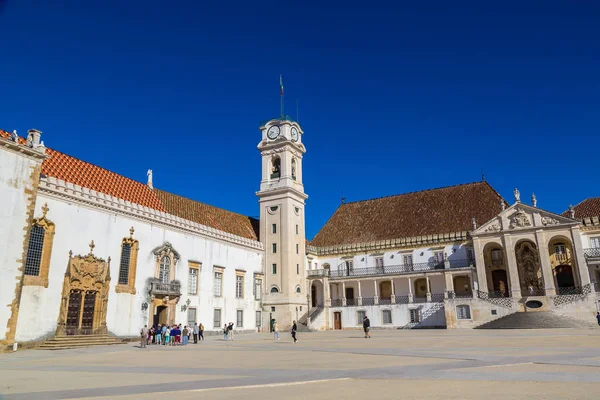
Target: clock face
[(273, 132), (294, 134)]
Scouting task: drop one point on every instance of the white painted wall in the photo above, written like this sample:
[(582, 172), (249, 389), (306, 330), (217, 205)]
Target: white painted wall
[(15, 171), (400, 315), (77, 225)]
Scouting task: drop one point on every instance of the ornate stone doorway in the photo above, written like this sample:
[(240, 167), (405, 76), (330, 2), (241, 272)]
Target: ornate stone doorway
[(530, 271), (85, 296)]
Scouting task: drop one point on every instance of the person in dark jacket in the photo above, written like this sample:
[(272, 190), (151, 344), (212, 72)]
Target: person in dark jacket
[(367, 327), (294, 330)]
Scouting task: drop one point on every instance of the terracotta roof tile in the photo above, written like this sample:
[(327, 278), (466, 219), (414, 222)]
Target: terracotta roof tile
[(75, 171), (444, 210), (586, 209)]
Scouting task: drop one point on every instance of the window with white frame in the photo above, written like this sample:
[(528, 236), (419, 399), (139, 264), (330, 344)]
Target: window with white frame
[(415, 316), (218, 284), (407, 260), (595, 242), (217, 318), (193, 281), (560, 248), (239, 286), (258, 318), (165, 270), (240, 318), (463, 312), (191, 316), (360, 316), (387, 316), (257, 288), (349, 265), (438, 256), (496, 255)]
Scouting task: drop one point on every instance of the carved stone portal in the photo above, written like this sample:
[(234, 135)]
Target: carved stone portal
[(520, 219), (530, 271), (84, 296)]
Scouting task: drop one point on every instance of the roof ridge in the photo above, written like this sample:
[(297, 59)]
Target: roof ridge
[(419, 191), (582, 201)]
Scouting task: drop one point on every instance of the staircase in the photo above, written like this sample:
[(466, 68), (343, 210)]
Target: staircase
[(78, 341), (426, 314), (535, 320)]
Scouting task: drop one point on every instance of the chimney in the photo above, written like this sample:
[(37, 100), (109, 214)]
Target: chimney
[(33, 140)]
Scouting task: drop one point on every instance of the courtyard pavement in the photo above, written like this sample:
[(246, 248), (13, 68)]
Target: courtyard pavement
[(417, 364)]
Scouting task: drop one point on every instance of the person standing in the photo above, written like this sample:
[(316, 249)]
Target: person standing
[(230, 327), (275, 330), (167, 335), (185, 336), (158, 339), (225, 332), (367, 327), (143, 336), (598, 318), (164, 334), (195, 333), (294, 330), (201, 331)]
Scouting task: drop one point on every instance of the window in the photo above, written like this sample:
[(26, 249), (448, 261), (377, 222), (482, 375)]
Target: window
[(124, 265), (415, 316), (387, 316), (438, 256), (360, 316), (560, 248), (379, 262), (218, 284), (240, 318), (298, 269), (37, 261), (463, 312), (274, 226), (296, 229), (239, 286), (298, 290), (34, 252), (193, 281), (470, 255), (165, 270), (191, 316), (217, 318), (497, 255), (274, 269), (350, 265), (274, 290), (595, 242), (257, 289), (274, 248), (297, 248), (407, 260), (272, 309), (258, 319)]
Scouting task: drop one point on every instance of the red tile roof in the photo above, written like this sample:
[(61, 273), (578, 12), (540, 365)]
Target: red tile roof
[(586, 209), (444, 210), (78, 172)]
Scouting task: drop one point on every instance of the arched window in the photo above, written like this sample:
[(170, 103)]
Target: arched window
[(274, 290), (294, 166), (39, 250), (165, 269), (275, 168), (298, 289), (128, 265)]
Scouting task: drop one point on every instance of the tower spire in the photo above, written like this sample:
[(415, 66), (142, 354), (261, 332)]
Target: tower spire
[(281, 94)]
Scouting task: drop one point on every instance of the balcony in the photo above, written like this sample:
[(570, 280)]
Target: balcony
[(316, 273), (400, 269), (172, 288), (592, 254)]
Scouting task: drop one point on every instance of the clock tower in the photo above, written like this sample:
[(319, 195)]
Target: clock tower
[(281, 198)]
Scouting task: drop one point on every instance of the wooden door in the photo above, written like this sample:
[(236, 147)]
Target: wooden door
[(87, 317), (73, 312), (337, 320)]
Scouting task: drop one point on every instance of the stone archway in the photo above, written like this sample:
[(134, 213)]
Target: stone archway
[(84, 296), (530, 270), (462, 285), (565, 278)]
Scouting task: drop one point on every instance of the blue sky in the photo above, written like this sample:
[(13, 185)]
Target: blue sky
[(393, 98)]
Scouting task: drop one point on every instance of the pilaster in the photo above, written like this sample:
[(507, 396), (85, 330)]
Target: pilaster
[(545, 261)]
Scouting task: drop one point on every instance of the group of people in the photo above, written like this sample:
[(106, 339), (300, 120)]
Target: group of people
[(171, 335), (228, 331), (276, 330)]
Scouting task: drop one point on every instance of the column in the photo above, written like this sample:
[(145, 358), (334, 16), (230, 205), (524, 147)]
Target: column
[(428, 288), (449, 285), (326, 293), (343, 293), (410, 293), (513, 273), (81, 311), (376, 298), (480, 266), (359, 295), (584, 273), (545, 261), (393, 297)]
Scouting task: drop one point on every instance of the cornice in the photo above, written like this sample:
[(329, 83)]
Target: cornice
[(36, 153), (66, 190), (435, 239)]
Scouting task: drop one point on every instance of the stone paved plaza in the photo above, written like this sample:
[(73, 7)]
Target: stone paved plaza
[(425, 364)]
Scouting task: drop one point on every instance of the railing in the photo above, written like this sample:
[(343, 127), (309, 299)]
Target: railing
[(367, 301), (437, 297), (593, 253), (317, 273), (562, 257), (497, 263), (336, 302), (417, 299), (506, 302), (280, 118), (370, 301), (400, 269), (563, 291), (402, 299), (569, 295), (533, 292), (165, 288), (461, 295), (315, 312), (351, 302), (597, 287), (385, 301)]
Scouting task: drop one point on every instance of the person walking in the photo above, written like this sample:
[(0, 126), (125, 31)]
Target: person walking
[(598, 318), (230, 327), (195, 333), (294, 330), (185, 335), (144, 336), (225, 332), (275, 330), (367, 327), (201, 331)]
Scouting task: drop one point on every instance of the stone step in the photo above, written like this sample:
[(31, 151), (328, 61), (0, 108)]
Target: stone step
[(535, 320), (77, 341)]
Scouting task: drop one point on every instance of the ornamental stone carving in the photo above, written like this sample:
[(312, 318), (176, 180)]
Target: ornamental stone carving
[(549, 221), (520, 219), (494, 227)]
